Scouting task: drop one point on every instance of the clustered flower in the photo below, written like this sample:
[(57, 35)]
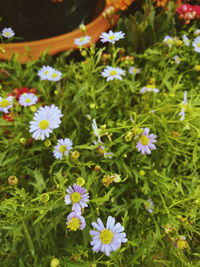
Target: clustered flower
[(7, 33), (149, 88), (49, 73), (78, 197), (146, 142), (188, 12), (63, 147), (109, 238), (82, 40), (45, 120)]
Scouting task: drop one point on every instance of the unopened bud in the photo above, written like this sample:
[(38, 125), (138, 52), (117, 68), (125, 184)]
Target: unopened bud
[(197, 67), (44, 197), (82, 27), (80, 181), (97, 168), (47, 143), (33, 108), (75, 154), (55, 262), (13, 180), (22, 140)]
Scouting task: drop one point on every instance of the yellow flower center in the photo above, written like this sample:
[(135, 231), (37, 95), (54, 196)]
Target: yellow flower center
[(181, 244), (7, 33), (4, 103), (134, 70), (46, 72), (198, 44), (113, 72), (82, 39), (112, 37), (170, 41), (62, 149), (43, 124), (28, 100), (54, 75), (106, 236), (75, 197), (73, 224), (144, 140), (151, 86)]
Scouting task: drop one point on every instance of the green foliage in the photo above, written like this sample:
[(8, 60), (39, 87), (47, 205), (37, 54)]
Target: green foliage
[(144, 28), (33, 212)]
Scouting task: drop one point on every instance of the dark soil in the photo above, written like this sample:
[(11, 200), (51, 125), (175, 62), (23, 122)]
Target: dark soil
[(39, 19)]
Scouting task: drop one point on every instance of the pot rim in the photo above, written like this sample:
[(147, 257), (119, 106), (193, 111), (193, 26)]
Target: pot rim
[(31, 50)]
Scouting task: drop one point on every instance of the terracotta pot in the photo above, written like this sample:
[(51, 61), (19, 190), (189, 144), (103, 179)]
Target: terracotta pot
[(28, 51)]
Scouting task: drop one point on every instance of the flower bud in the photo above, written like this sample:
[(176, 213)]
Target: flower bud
[(80, 181), (22, 140), (97, 168), (75, 154), (44, 197), (33, 108), (128, 136), (13, 180), (141, 172), (55, 262), (47, 143), (197, 67), (82, 27)]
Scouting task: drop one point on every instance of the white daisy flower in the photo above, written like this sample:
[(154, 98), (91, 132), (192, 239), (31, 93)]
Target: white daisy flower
[(168, 40), (107, 238), (62, 148), (96, 130), (28, 99), (134, 70), (149, 88), (177, 59), (6, 104), (54, 75), (197, 32), (82, 40), (184, 106), (196, 44), (7, 33), (186, 40), (112, 73), (111, 36), (45, 120), (44, 72)]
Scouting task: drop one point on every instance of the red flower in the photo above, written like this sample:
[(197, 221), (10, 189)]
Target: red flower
[(188, 12), (8, 116), (17, 92)]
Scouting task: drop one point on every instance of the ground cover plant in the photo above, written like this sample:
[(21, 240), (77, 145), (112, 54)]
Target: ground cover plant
[(100, 158)]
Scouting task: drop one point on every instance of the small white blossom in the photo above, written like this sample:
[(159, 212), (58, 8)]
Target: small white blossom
[(62, 148), (184, 105), (134, 70), (6, 104), (82, 40), (28, 99), (111, 36), (196, 44), (177, 59), (186, 40), (7, 32), (168, 40), (112, 73)]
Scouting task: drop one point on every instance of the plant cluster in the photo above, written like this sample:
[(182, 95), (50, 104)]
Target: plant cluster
[(100, 158)]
